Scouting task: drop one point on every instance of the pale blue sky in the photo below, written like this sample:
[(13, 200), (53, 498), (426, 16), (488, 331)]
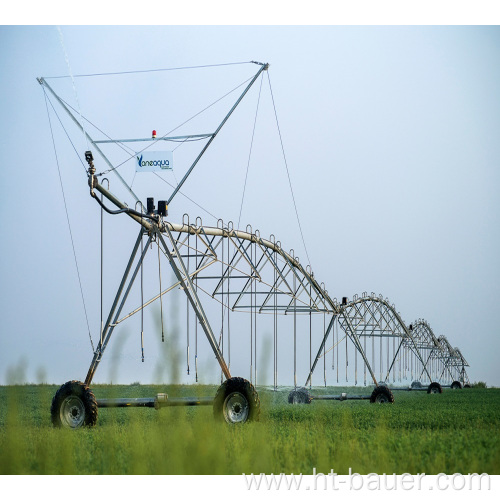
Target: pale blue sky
[(391, 136)]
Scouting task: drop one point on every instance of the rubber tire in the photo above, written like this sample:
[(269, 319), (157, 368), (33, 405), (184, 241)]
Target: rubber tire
[(467, 386), (244, 387), (382, 392), (416, 384), (434, 385), (456, 385), (86, 396), (299, 396)]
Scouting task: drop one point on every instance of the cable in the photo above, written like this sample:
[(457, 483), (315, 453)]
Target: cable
[(287, 171), (254, 282), (142, 294), (228, 310), (221, 342), (250, 152), (196, 322), (185, 196), (61, 39), (324, 349), (102, 270), (187, 301), (161, 300), (121, 145), (310, 336), (338, 349), (69, 225), (251, 329), (275, 324), (149, 70), (346, 361), (294, 332), (133, 179), (65, 131)]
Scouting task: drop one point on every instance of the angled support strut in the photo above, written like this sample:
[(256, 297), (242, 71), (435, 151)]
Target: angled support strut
[(182, 275)]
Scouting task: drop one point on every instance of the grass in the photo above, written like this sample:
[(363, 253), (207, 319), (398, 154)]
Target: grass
[(456, 431)]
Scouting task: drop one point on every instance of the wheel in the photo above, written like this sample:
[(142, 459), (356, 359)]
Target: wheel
[(299, 396), (416, 384), (382, 394), (73, 406), (236, 401), (467, 386), (456, 385), (434, 388)]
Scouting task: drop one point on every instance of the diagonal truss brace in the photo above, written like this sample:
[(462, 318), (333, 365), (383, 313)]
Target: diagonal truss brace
[(182, 274)]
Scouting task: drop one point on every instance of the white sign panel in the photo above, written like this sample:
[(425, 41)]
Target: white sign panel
[(154, 161)]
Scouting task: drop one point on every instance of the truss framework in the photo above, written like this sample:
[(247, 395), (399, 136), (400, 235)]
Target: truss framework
[(370, 317), (446, 363), (245, 272)]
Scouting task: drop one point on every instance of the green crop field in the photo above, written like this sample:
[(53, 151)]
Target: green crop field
[(456, 431)]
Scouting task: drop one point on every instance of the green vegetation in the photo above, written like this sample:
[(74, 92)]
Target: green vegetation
[(479, 385), (456, 431)]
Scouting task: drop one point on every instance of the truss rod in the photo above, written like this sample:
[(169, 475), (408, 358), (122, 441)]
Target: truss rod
[(321, 347), (150, 139), (262, 68)]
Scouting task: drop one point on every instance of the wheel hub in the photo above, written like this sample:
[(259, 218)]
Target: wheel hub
[(72, 412), (236, 408)]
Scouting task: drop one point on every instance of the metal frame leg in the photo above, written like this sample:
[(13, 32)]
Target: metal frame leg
[(325, 338), (109, 327), (394, 360)]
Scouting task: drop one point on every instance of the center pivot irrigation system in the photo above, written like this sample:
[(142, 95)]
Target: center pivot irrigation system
[(246, 273)]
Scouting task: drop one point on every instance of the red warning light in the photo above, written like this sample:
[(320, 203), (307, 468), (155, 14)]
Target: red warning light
[(154, 134)]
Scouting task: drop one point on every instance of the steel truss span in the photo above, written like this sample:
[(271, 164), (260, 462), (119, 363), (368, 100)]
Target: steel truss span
[(445, 362), (374, 320), (244, 272), (240, 270)]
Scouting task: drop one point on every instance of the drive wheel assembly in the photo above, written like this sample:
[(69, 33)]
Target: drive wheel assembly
[(381, 394), (299, 396), (73, 406), (236, 402), (434, 388)]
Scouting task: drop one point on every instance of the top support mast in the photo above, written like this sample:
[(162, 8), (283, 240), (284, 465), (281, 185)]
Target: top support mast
[(263, 67)]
